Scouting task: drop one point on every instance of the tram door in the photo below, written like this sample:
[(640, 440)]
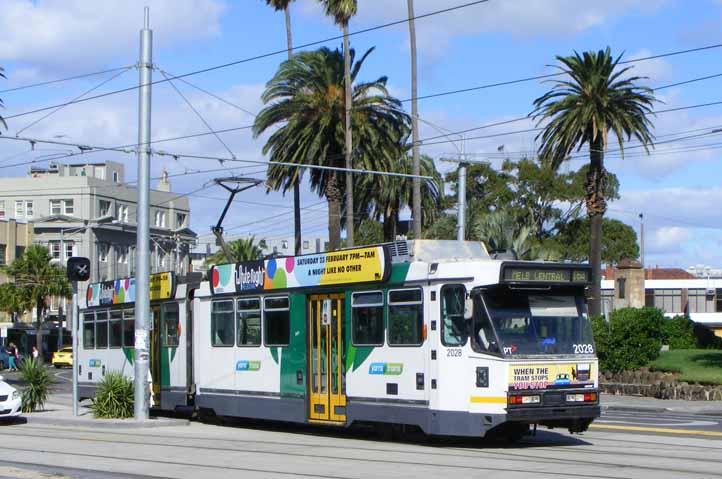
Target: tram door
[(155, 354), (326, 367)]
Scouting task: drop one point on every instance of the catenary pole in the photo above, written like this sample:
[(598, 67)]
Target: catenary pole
[(142, 297), (416, 193), (461, 214), (76, 346)]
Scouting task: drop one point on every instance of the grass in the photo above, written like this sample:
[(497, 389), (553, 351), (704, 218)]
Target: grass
[(696, 365)]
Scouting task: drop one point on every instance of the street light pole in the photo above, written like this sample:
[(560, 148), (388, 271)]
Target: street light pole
[(75, 336), (142, 297)]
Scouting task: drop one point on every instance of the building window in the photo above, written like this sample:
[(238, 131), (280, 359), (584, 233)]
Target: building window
[(284, 244), (700, 302), (277, 321), (621, 285), (2, 208), (248, 320), (406, 317), (222, 333), (29, 209), (68, 207), (69, 247), (19, 209), (55, 249), (103, 250), (115, 177), (3, 253), (123, 213), (121, 253), (180, 220), (160, 219), (668, 300), (453, 325), (305, 244), (56, 207), (103, 208), (367, 318)]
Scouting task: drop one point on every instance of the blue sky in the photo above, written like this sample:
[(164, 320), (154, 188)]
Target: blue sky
[(677, 186)]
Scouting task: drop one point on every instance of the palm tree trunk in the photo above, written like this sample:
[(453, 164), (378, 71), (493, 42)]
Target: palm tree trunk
[(416, 200), (349, 139), (596, 207), (296, 185), (39, 331), (333, 196)]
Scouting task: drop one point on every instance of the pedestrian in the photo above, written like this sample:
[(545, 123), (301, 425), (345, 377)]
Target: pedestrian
[(35, 353), (12, 357)]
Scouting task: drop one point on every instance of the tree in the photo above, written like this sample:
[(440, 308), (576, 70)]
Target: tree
[(11, 301), (342, 11), (244, 249), (580, 110), (619, 241), (306, 98), (388, 195), (279, 5), (416, 202), (500, 231), (35, 279)]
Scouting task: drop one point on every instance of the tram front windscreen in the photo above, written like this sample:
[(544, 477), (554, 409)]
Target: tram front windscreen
[(514, 323)]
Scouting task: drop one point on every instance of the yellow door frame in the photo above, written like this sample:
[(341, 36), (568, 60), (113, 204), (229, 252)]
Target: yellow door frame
[(324, 402)]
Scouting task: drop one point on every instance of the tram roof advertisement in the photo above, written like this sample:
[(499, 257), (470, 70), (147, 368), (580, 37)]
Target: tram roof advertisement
[(122, 291), (351, 266)]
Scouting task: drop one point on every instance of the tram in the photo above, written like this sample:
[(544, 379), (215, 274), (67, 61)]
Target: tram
[(434, 334)]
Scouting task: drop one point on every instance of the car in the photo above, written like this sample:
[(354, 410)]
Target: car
[(9, 401), (63, 357)]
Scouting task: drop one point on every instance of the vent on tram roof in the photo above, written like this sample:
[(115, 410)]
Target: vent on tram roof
[(399, 248)]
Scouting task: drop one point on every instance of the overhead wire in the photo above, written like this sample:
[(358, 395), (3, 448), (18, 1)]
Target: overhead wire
[(60, 80)]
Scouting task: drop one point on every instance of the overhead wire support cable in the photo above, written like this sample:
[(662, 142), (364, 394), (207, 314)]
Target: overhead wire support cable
[(104, 82), (60, 80), (262, 55), (198, 114)]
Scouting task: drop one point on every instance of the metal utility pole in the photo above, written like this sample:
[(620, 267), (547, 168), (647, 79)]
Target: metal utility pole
[(76, 346), (416, 195), (641, 238), (461, 213), (142, 296)]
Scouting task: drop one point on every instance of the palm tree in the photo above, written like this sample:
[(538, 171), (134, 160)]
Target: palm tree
[(388, 195), (279, 5), (11, 301), (501, 231), (36, 278), (306, 97), (416, 203), (594, 99), (244, 249), (342, 11)]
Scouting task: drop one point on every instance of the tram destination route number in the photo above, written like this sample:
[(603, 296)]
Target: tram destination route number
[(545, 275)]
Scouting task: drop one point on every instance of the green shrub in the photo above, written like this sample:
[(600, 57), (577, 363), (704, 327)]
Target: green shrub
[(37, 385), (705, 337), (678, 333), (631, 339), (114, 397)]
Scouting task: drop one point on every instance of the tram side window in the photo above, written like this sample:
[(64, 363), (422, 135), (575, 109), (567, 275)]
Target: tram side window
[(277, 321), (116, 328), (101, 329), (222, 332), (367, 320), (453, 325), (170, 325), (129, 328), (406, 317), (88, 330), (248, 315)]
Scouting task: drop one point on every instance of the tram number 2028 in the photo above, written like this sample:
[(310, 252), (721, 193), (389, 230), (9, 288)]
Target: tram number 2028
[(583, 349), (453, 353)]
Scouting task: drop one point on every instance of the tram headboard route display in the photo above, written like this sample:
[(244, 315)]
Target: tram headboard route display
[(352, 266), (545, 274)]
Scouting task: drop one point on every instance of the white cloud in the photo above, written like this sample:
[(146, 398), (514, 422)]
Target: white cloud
[(520, 18), (63, 35), (668, 239), (655, 70)]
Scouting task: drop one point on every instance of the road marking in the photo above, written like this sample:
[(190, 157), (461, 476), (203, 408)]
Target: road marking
[(660, 424), (664, 430), (62, 377)]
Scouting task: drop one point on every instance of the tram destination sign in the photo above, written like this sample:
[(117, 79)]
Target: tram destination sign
[(122, 291), (555, 274), (335, 268)]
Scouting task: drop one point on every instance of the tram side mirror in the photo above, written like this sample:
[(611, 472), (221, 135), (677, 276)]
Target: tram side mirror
[(468, 308)]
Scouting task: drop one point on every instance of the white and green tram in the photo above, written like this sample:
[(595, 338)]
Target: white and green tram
[(434, 334)]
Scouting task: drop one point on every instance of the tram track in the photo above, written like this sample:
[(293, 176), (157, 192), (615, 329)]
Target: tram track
[(475, 454)]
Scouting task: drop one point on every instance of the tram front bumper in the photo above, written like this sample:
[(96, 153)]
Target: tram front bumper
[(543, 415)]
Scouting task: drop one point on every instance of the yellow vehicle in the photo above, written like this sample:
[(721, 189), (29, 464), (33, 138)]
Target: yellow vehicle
[(63, 357)]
